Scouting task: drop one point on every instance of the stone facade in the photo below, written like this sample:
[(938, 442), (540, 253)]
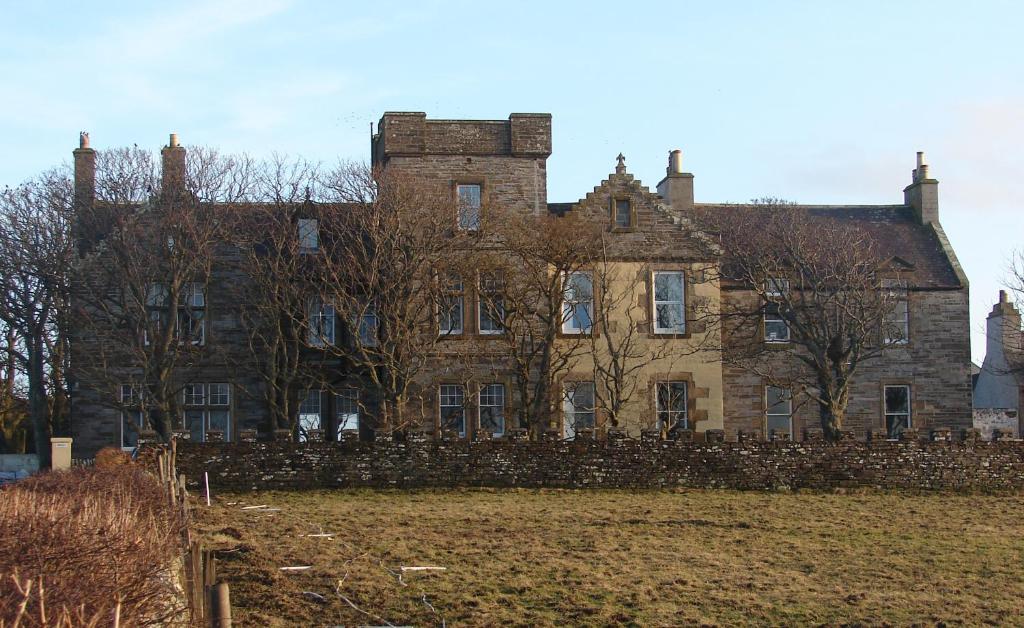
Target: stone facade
[(508, 160)]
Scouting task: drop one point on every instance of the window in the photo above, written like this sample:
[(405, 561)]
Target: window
[(896, 322), (492, 408), (309, 414), (195, 394), (191, 310), (346, 409), (207, 409), (450, 314), (577, 303), (368, 326), (623, 213), (321, 323), (776, 287), (468, 206), (669, 311), (577, 408), (671, 401), (309, 234), (131, 416), (897, 409), (492, 304), (220, 395), (775, 327), (453, 408), (778, 410)]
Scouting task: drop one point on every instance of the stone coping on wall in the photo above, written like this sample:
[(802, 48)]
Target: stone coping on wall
[(940, 464)]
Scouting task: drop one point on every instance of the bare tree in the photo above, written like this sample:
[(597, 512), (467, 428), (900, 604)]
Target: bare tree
[(534, 283), (35, 256), (806, 302), (388, 241)]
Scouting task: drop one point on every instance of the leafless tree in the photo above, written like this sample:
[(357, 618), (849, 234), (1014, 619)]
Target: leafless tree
[(36, 249), (805, 301), (526, 284)]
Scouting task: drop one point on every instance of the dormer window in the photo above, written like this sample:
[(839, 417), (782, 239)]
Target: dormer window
[(309, 234), (468, 201), (623, 213)]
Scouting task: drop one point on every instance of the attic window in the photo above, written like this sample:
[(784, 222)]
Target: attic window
[(623, 213)]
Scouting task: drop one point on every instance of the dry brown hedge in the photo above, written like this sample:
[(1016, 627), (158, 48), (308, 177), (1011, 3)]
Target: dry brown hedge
[(100, 541)]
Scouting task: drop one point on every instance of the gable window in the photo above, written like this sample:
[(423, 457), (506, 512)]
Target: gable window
[(468, 201), (491, 304), (452, 401), (132, 420), (309, 234), (623, 213), (671, 402), (310, 415), (896, 321), (207, 409), (321, 323), (577, 408), (346, 404), (778, 410), (669, 310), (492, 408), (897, 409), (577, 303), (452, 307)]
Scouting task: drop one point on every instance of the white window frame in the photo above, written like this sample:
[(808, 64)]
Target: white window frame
[(307, 412), (571, 305), (777, 319), (571, 425), (367, 327), (886, 413), (453, 299), (447, 394), (787, 398), (896, 317), (776, 287), (346, 417), (308, 230), (673, 416), (194, 395), (321, 323), (680, 304), (492, 397), (492, 286), (468, 217), (223, 391)]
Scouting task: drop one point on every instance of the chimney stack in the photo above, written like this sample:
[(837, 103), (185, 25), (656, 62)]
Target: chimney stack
[(85, 172), (923, 193), (173, 174), (677, 186)]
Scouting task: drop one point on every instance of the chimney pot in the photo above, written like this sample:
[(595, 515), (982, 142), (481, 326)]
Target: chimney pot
[(1002, 296), (174, 141), (83, 139), (920, 159), (675, 162)]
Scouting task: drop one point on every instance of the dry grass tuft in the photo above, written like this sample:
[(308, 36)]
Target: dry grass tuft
[(79, 546), (110, 457)]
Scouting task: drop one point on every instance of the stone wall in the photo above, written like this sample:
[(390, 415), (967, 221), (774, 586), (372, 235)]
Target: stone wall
[(617, 463)]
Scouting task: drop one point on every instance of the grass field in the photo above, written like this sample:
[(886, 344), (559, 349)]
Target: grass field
[(546, 558)]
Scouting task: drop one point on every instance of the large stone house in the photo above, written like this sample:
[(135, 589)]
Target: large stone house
[(499, 167)]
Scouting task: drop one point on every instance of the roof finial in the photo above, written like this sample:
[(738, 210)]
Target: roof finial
[(620, 167)]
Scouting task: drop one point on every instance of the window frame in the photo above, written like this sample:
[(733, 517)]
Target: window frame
[(320, 323), (771, 317), (443, 423), (659, 411), (886, 413), (569, 307), (486, 303), (469, 227), (890, 319), (346, 395), (571, 428), (683, 326), (129, 407), (499, 405), (454, 292), (787, 397), (630, 214), (308, 234), (304, 429)]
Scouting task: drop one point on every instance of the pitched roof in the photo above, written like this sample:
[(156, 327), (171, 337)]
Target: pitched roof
[(896, 232)]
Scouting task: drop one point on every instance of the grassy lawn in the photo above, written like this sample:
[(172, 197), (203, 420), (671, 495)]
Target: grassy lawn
[(547, 558)]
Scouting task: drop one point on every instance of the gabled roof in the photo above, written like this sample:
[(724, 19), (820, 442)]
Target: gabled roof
[(900, 237)]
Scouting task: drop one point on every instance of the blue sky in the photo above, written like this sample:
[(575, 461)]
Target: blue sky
[(816, 102)]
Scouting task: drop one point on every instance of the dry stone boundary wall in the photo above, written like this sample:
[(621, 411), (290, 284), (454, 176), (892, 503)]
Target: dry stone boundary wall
[(950, 465)]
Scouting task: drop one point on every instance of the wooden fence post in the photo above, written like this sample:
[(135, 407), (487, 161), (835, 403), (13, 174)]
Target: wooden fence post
[(222, 604)]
